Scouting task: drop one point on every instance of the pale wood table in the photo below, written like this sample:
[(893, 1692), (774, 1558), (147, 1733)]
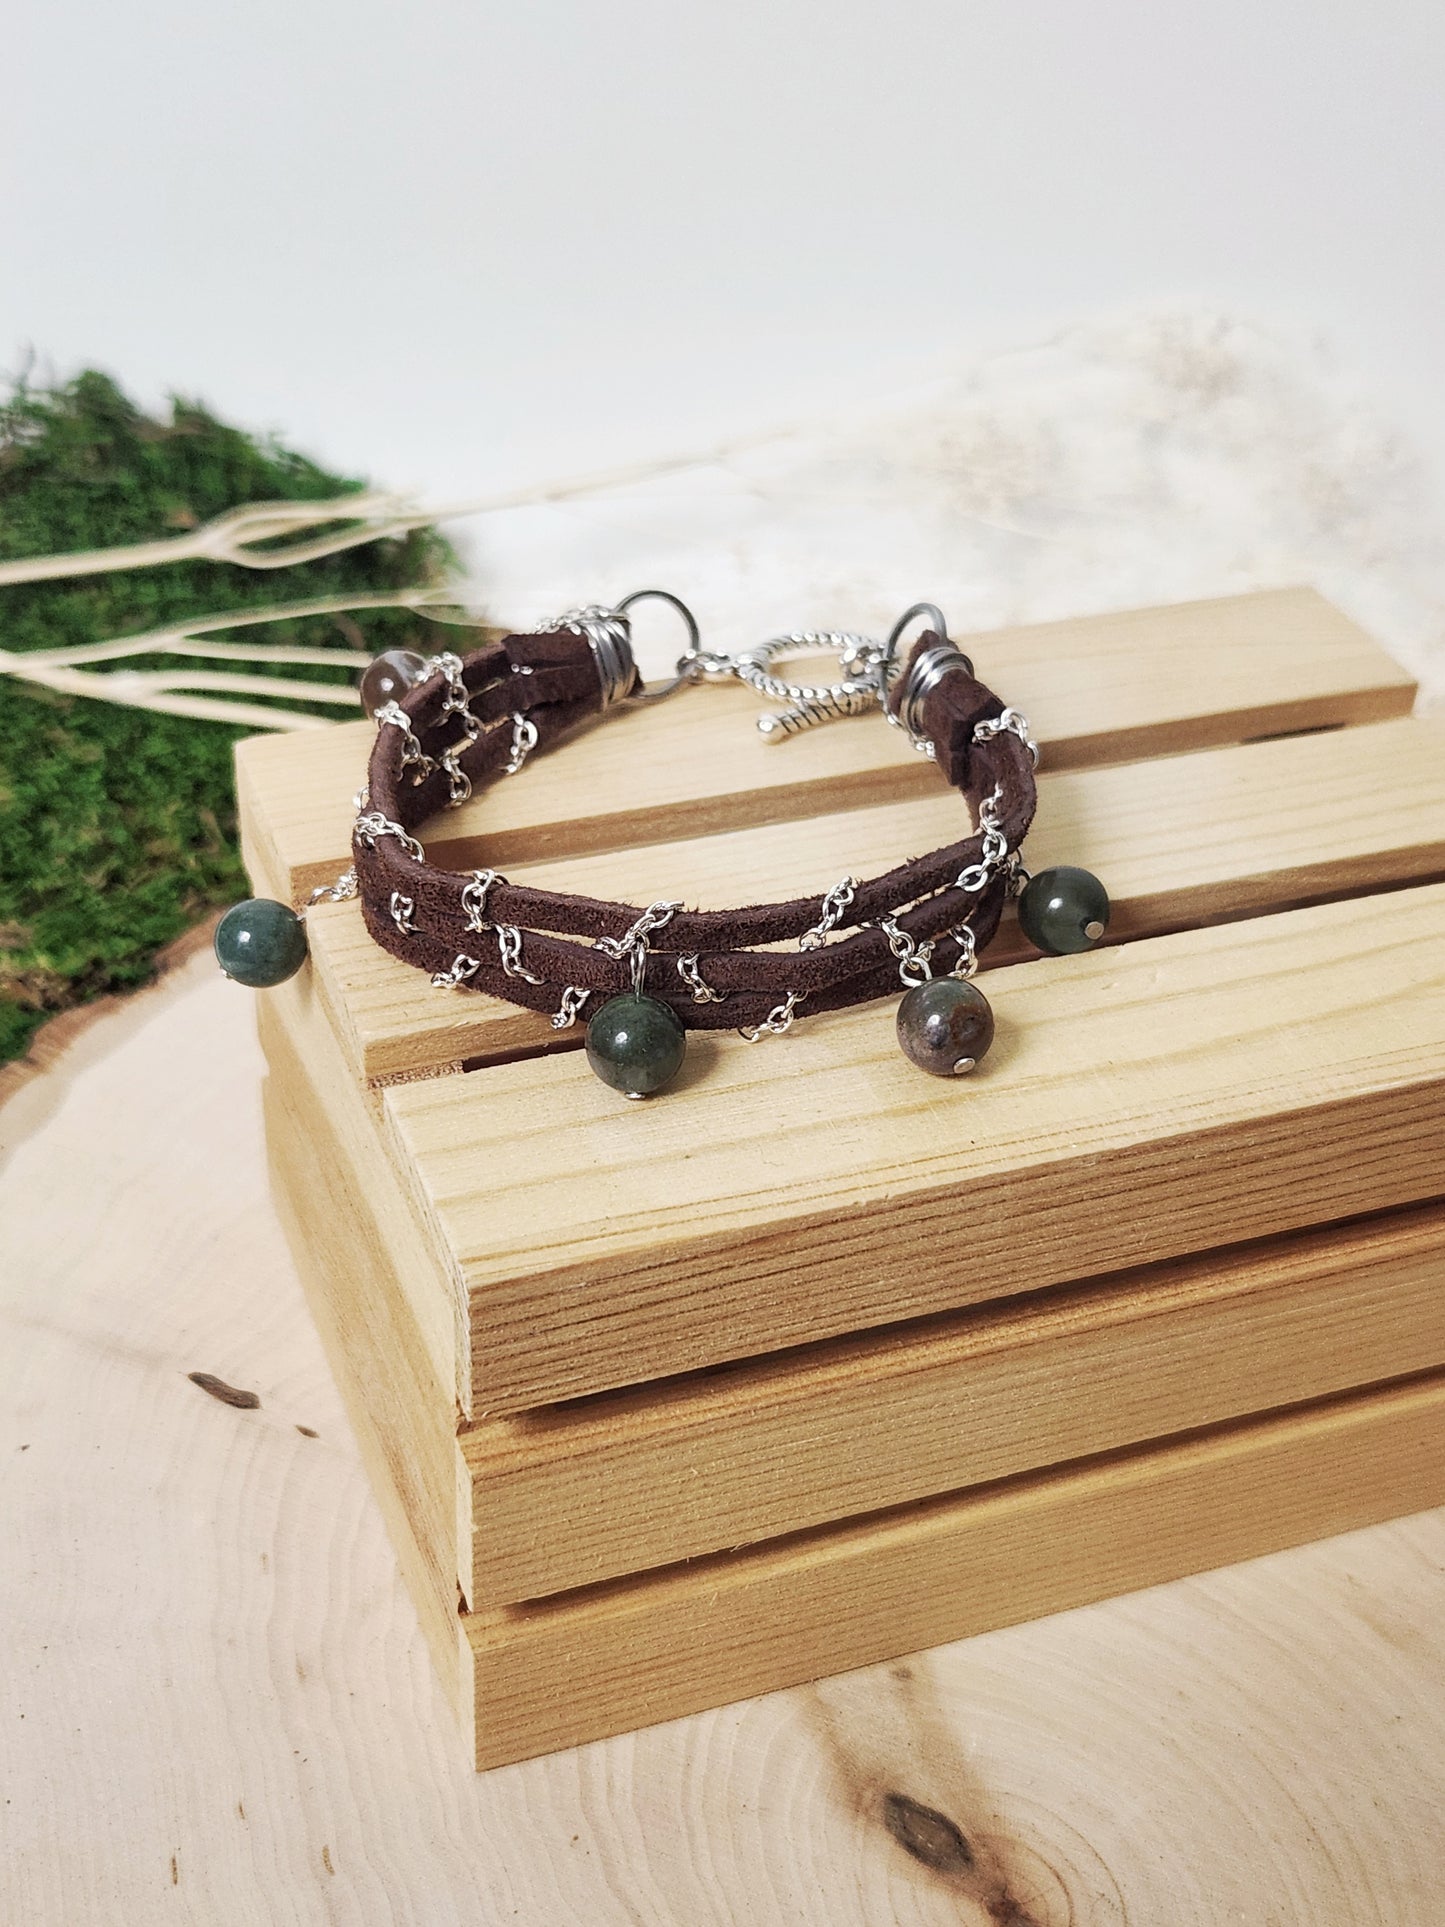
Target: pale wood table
[(216, 1706)]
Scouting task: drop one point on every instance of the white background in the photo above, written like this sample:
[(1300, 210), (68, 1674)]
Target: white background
[(463, 246)]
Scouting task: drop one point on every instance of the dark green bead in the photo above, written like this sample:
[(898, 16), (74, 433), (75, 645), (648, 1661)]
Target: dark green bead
[(1063, 910), (945, 1026), (636, 1044), (260, 942)]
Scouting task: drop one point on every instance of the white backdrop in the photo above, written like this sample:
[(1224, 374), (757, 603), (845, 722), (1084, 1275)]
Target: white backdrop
[(462, 245)]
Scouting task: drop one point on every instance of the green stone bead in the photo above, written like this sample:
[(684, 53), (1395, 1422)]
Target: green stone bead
[(945, 1026), (1063, 910), (636, 1044), (260, 942)]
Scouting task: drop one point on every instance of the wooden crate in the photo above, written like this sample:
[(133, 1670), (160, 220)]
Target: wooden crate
[(672, 1403)]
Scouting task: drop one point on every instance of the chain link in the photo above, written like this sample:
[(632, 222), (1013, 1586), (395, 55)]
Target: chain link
[(834, 905), (462, 968), (401, 914), (632, 944), (1015, 723), (474, 899), (691, 975), (509, 942), (573, 998), (524, 740), (913, 958), (778, 1019), (371, 824)]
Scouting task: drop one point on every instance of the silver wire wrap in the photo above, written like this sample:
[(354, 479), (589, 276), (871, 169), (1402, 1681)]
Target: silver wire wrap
[(691, 975), (609, 637), (573, 998), (632, 944)]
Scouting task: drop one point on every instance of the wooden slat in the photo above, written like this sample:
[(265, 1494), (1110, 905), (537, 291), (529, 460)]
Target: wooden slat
[(401, 1416), (1180, 841), (1169, 1096), (1099, 689), (570, 1496), (626, 1655)]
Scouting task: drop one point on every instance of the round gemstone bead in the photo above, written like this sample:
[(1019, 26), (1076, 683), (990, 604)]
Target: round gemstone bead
[(636, 1044), (389, 676), (945, 1026), (1063, 910), (260, 942)]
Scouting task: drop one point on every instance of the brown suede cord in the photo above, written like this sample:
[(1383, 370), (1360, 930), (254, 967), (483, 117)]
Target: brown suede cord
[(551, 679)]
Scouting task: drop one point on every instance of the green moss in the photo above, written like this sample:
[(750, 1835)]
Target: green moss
[(117, 827)]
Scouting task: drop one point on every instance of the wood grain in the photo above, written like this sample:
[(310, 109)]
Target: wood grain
[(401, 1412), (648, 1649), (1169, 1096), (1109, 688), (576, 1494), (217, 1704), (1181, 841)]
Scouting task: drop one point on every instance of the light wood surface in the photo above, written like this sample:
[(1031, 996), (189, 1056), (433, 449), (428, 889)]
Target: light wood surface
[(216, 1704), (1128, 1092), (590, 1664), (1144, 682), (1182, 840), (575, 1494), (1261, 1068)]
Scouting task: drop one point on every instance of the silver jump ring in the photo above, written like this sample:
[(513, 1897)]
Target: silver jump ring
[(690, 656)]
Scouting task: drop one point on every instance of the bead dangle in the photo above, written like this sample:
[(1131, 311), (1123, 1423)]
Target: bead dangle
[(448, 724)]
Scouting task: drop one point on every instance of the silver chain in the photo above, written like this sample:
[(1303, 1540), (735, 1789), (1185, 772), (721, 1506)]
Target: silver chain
[(632, 944), (691, 975), (341, 891), (401, 914), (834, 905), (573, 998), (459, 784), (778, 1019), (913, 964), (463, 968), (994, 853), (1015, 722), (509, 942), (474, 899), (413, 756), (371, 824), (524, 740)]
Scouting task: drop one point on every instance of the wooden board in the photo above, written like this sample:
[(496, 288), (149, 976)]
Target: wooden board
[(217, 1706), (1168, 1096), (1099, 689), (868, 1360), (575, 1494), (621, 1656), (1182, 841)]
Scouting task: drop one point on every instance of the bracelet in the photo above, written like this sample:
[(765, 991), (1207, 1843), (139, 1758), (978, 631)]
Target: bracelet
[(643, 977)]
